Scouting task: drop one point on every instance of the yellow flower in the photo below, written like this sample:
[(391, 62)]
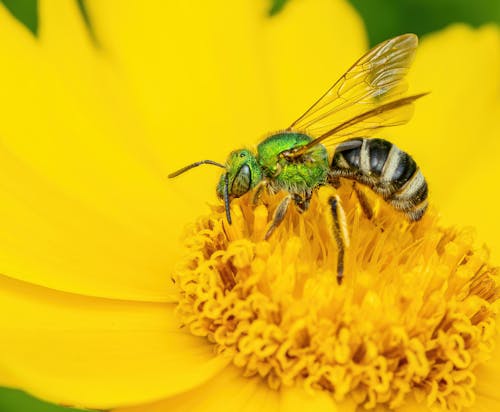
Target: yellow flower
[(90, 226)]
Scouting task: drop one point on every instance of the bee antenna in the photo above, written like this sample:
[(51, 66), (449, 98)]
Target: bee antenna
[(192, 165), (226, 198)]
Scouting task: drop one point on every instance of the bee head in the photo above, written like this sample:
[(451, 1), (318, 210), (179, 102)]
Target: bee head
[(242, 174)]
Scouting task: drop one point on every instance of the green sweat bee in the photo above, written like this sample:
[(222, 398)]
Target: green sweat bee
[(297, 160)]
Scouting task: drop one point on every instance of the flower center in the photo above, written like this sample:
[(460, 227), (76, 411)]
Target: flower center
[(415, 312)]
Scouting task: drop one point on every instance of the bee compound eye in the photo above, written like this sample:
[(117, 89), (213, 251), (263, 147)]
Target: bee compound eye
[(242, 181)]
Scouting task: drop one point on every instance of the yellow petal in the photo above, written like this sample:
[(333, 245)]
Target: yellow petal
[(229, 391), (454, 133), (80, 211), (88, 136), (95, 352), (226, 392), (232, 71)]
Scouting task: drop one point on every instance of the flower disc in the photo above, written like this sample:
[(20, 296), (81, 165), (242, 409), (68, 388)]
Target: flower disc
[(415, 312)]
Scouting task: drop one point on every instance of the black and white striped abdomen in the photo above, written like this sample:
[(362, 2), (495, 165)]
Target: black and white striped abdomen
[(387, 170)]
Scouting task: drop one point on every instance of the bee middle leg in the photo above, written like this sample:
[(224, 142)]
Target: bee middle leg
[(279, 215), (302, 203)]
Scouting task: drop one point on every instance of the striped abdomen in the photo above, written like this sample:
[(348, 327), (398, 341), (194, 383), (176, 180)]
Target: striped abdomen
[(384, 168)]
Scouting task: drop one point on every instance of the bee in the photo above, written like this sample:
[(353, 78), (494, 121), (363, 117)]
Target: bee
[(339, 125)]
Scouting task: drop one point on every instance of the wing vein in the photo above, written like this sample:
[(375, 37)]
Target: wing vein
[(376, 80)]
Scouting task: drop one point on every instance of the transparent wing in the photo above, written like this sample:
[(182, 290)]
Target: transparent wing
[(393, 113), (374, 80)]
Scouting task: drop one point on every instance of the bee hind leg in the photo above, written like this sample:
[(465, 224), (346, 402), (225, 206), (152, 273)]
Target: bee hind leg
[(365, 204), (334, 181), (340, 234), (363, 201)]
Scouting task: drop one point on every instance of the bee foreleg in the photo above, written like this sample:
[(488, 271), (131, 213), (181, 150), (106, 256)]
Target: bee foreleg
[(258, 191), (339, 233), (279, 215)]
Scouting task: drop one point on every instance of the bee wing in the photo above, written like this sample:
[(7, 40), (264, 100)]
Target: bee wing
[(374, 81)]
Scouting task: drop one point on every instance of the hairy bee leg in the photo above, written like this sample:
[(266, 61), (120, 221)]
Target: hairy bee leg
[(363, 201), (334, 181), (365, 205), (302, 202), (339, 233), (258, 191), (279, 215)]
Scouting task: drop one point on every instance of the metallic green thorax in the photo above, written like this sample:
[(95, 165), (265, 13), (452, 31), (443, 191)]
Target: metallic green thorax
[(299, 176), (245, 170)]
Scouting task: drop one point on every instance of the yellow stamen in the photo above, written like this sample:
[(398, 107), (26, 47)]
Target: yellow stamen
[(415, 313)]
